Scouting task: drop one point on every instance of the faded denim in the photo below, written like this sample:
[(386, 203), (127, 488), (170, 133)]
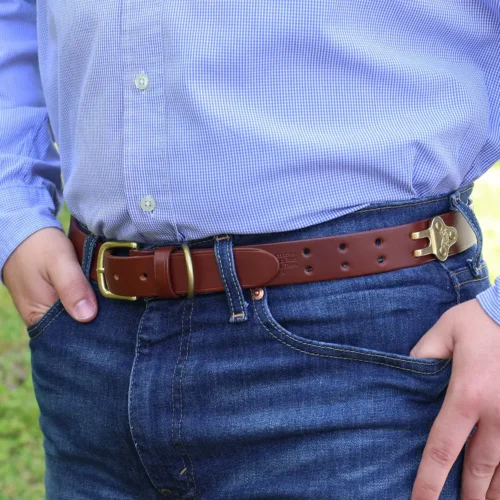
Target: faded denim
[(307, 393)]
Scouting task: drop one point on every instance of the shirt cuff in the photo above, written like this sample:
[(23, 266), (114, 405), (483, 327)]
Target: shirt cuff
[(490, 301), (23, 211)]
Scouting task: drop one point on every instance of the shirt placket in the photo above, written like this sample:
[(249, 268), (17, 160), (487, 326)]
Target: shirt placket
[(145, 121)]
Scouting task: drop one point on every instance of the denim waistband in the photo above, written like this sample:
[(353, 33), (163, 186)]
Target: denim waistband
[(373, 217)]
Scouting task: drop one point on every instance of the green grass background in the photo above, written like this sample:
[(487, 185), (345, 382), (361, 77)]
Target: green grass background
[(21, 452)]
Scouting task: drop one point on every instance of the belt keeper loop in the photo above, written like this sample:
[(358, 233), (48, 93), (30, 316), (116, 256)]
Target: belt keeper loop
[(189, 269), (89, 247), (162, 273)]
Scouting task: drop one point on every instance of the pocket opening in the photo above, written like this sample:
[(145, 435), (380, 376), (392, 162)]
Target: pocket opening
[(267, 321), (49, 316)]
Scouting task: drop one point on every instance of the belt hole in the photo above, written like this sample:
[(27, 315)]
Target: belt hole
[(345, 265), (116, 277), (309, 270), (378, 242), (306, 251), (342, 247), (381, 259), (143, 277)]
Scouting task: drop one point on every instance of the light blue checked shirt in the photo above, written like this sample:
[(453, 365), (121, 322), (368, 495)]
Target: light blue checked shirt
[(182, 119)]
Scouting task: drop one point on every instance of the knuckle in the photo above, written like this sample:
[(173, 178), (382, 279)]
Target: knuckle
[(74, 287), (31, 318), (468, 401), (50, 257), (37, 309), (480, 470), (425, 491), (441, 455)]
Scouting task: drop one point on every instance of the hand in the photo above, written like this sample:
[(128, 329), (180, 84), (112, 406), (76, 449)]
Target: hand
[(468, 334), (43, 268)]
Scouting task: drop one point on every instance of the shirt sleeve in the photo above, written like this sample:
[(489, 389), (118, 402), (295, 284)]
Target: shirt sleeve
[(30, 173), (490, 300)]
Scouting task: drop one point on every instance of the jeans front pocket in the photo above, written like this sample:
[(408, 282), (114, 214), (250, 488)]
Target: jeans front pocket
[(48, 319), (372, 319), (53, 315)]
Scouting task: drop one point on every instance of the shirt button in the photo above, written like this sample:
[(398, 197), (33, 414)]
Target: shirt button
[(148, 204), (141, 81)]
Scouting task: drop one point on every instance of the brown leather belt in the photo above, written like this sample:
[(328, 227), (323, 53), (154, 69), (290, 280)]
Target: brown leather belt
[(167, 272)]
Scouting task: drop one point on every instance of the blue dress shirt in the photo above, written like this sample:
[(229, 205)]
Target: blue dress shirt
[(182, 119)]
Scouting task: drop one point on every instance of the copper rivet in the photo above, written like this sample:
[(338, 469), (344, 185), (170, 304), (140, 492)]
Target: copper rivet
[(116, 277), (258, 293), (143, 277)]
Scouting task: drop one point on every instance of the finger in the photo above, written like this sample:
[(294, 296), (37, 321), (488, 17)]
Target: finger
[(482, 457), (446, 439), (438, 341), (493, 492), (77, 296), (32, 309)]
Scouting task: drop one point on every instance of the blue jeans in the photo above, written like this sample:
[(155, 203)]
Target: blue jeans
[(306, 392)]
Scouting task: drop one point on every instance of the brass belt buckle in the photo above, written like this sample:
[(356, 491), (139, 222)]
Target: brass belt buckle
[(441, 239), (108, 245), (100, 267)]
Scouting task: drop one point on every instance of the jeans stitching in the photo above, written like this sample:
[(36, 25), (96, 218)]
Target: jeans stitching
[(85, 253), (217, 255), (349, 358), (471, 281), (452, 279), (470, 217), (236, 286), (180, 388), (54, 308), (467, 270), (131, 386), (282, 330), (172, 389)]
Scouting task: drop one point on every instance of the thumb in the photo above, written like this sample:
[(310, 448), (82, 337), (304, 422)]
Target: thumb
[(73, 288), (438, 341)]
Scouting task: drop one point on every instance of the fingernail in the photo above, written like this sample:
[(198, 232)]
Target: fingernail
[(84, 309)]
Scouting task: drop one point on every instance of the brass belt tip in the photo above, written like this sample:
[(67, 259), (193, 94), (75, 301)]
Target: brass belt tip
[(441, 238)]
